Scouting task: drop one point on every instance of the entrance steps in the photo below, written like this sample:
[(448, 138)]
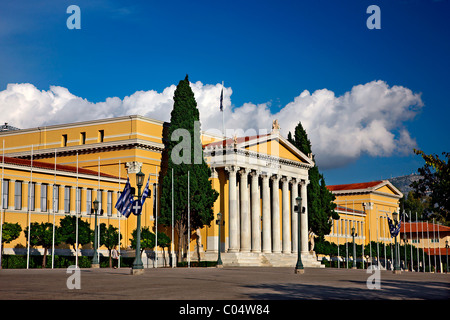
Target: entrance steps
[(253, 259)]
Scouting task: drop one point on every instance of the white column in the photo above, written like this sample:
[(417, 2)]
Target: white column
[(256, 212), (245, 213), (232, 207), (304, 218), (286, 227), (266, 232), (276, 236), (294, 221)]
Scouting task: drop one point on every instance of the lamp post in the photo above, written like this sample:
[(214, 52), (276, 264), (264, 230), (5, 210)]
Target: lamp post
[(299, 267), (354, 248), (446, 252), (138, 267), (95, 263), (396, 264), (219, 223)]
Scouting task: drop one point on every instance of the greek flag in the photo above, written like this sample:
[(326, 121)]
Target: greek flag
[(146, 192), (221, 100), (125, 201), (392, 229)]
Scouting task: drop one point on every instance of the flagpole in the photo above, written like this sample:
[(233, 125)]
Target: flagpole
[(423, 247), (223, 117), (410, 235), (28, 209), (172, 244), (120, 216), (2, 210), (99, 211), (439, 247), (417, 236), (156, 217), (434, 247), (429, 257), (189, 225), (76, 215), (54, 212)]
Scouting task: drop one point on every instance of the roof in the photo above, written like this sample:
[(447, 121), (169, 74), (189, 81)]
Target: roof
[(422, 226), (50, 166), (230, 141), (435, 251), (366, 187), (354, 186)]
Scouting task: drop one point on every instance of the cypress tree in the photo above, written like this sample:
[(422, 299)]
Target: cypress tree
[(320, 199), (185, 119)]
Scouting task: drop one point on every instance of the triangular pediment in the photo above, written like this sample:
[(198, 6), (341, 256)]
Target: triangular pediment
[(275, 145)]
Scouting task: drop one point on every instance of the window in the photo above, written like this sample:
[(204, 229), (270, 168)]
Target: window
[(18, 195), (88, 201), (43, 197), (99, 198), (5, 191), (55, 198), (415, 240), (32, 196), (101, 135), (67, 199), (83, 138), (109, 203), (78, 200), (64, 140)]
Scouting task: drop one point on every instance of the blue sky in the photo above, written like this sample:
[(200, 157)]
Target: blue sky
[(268, 52)]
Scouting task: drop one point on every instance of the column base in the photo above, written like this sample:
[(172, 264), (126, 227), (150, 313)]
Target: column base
[(136, 272), (233, 250), (299, 271), (95, 266)]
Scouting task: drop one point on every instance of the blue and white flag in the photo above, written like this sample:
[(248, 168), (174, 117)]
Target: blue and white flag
[(146, 192), (136, 208), (221, 100), (392, 229), (125, 201)]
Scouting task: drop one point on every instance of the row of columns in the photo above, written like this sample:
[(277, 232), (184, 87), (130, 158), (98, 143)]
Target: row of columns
[(245, 234)]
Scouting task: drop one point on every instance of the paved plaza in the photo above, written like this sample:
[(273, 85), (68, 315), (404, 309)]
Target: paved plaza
[(233, 283)]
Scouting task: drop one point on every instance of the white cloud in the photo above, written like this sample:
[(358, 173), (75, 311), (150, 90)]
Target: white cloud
[(367, 119)]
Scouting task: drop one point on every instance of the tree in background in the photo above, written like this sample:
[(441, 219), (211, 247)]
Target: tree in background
[(109, 237), (164, 242), (10, 232), (320, 199), (435, 184), (42, 235), (185, 126), (147, 239), (67, 231)]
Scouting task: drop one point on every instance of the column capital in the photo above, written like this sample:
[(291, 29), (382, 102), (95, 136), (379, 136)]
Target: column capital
[(294, 181), (232, 169), (275, 177), (244, 171), (255, 173)]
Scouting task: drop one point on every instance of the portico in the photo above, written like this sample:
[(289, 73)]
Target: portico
[(258, 179)]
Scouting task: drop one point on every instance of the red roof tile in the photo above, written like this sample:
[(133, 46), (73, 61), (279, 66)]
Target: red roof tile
[(354, 186), (419, 227), (51, 166)]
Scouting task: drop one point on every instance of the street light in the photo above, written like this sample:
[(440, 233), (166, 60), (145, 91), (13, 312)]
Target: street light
[(219, 223), (299, 267), (396, 264), (354, 248), (138, 266), (95, 263)]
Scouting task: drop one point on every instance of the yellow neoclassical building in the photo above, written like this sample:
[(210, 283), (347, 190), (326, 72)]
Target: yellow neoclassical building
[(70, 165), (365, 207)]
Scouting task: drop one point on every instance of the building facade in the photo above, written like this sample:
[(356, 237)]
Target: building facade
[(258, 179)]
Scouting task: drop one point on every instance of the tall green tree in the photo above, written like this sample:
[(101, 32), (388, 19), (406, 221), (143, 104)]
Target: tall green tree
[(320, 199), (435, 184), (42, 235), (10, 232), (147, 239), (185, 154)]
